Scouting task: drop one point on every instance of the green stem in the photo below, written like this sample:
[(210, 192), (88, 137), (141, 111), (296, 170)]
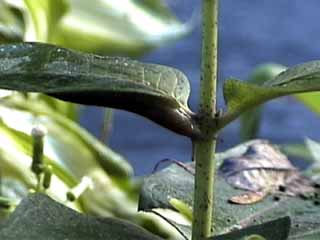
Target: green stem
[(204, 148)]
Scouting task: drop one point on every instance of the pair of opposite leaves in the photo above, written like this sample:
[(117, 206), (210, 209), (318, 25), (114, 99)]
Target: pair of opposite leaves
[(157, 92)]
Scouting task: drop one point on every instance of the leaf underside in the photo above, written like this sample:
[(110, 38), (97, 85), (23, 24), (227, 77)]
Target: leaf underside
[(157, 92), (241, 96)]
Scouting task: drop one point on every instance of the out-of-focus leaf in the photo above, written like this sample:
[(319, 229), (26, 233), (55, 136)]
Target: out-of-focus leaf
[(157, 92), (299, 151), (73, 151), (273, 230), (176, 182), (310, 100), (113, 194), (250, 123), (113, 163), (314, 149), (106, 125), (39, 217), (45, 16), (241, 96), (16, 175), (70, 110), (182, 208), (10, 26), (250, 120), (128, 27)]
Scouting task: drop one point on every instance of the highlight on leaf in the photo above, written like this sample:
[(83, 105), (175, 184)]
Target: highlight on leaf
[(157, 92)]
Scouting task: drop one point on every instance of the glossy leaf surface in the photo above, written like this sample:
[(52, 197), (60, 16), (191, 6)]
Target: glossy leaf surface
[(157, 92)]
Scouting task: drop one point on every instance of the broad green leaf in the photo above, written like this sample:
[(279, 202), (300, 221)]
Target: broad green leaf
[(176, 182), (39, 217), (250, 120), (274, 230), (241, 96), (128, 27), (45, 16), (157, 92)]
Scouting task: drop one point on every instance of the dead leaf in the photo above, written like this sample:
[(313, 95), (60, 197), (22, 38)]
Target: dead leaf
[(264, 170)]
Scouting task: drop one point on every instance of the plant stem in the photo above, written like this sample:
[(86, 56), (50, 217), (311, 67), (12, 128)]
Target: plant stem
[(204, 148)]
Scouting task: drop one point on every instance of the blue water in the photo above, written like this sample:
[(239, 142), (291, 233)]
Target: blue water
[(251, 32)]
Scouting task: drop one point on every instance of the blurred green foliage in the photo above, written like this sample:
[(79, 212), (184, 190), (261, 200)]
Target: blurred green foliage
[(106, 27), (128, 28)]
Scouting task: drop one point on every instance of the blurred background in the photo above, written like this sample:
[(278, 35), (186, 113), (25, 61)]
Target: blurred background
[(251, 33), (168, 32)]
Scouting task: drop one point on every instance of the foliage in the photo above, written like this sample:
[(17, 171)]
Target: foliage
[(99, 26), (177, 182), (251, 120), (72, 167)]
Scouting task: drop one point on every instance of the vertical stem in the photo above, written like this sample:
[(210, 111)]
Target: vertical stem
[(204, 149)]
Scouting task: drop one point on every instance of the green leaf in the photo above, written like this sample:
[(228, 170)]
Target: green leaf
[(100, 26), (250, 120), (314, 148), (39, 217), (67, 109), (113, 27), (157, 92), (310, 100), (16, 175), (45, 16), (113, 163), (10, 25), (265, 231), (72, 152), (241, 96), (299, 151), (176, 182)]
